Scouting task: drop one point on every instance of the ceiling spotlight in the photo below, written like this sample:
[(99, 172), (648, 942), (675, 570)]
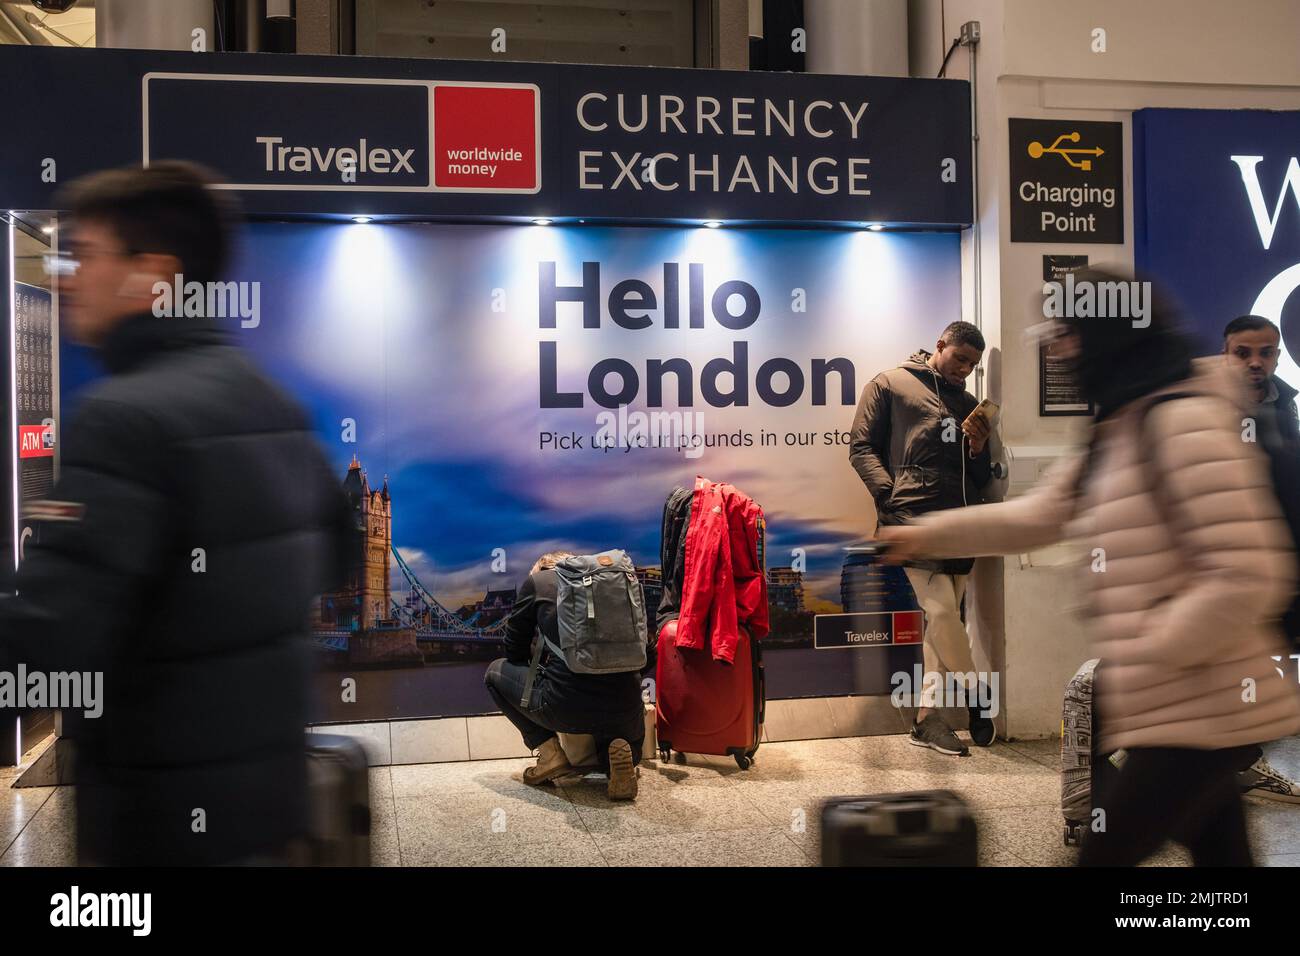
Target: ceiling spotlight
[(712, 223), (542, 222), (361, 219), (875, 227)]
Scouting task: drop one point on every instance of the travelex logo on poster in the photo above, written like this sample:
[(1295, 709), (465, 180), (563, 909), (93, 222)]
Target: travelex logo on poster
[(633, 303)]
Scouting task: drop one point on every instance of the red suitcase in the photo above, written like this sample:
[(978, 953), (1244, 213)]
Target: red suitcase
[(704, 706)]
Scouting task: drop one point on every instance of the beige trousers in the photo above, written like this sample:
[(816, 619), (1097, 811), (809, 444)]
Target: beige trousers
[(946, 643)]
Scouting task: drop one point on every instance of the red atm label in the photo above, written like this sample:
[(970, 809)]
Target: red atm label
[(35, 441), (486, 138)]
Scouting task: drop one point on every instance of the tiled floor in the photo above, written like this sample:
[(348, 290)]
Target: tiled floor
[(703, 812)]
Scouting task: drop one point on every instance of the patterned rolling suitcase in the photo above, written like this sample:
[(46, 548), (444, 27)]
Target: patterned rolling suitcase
[(1083, 771)]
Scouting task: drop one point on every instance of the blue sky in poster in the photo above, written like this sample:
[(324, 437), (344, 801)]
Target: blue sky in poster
[(428, 336)]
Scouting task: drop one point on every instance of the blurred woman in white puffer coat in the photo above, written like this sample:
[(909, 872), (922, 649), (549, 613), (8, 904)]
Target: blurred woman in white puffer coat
[(1198, 565)]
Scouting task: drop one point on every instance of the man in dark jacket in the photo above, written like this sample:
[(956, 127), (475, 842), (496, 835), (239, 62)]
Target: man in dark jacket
[(194, 519), (607, 706), (1252, 346), (918, 449)]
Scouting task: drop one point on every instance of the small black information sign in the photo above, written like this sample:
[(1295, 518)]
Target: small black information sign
[(1058, 390)]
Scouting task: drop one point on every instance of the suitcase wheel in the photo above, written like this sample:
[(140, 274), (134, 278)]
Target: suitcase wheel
[(679, 757), (664, 754), (743, 762)]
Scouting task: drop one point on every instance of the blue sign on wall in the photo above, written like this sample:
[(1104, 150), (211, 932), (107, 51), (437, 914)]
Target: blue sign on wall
[(1217, 217), (301, 135)]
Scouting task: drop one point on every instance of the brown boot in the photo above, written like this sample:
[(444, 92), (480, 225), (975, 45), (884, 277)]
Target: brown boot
[(551, 763), (622, 772)]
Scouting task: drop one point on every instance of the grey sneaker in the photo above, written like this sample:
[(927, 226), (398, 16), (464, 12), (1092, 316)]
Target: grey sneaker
[(1263, 781), (935, 734)]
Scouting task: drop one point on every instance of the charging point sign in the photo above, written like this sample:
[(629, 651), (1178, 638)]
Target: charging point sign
[(1067, 181)]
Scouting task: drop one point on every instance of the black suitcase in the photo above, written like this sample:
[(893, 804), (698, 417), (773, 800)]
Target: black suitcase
[(923, 828), (338, 793)]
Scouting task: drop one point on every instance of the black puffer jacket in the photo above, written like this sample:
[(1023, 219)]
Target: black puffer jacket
[(898, 449), (185, 446), (1288, 423)]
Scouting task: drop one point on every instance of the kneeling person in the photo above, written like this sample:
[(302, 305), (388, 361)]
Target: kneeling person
[(607, 705)]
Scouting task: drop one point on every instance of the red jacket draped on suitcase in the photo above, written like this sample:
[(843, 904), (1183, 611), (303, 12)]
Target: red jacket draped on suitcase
[(724, 585)]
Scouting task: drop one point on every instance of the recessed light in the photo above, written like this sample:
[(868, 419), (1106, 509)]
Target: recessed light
[(361, 219), (542, 222), (712, 223), (875, 227)]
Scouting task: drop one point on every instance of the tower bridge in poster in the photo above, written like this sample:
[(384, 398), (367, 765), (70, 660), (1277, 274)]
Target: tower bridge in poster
[(363, 619), (442, 624)]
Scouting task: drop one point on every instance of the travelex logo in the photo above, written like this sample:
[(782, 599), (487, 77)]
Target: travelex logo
[(485, 138), (868, 637), (77, 909), (365, 135), (864, 629), (358, 157)]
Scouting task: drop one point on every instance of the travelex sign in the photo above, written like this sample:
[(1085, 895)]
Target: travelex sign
[(353, 135), (1224, 235), (496, 140), (867, 629)]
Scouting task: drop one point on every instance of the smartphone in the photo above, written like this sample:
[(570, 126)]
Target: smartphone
[(986, 408)]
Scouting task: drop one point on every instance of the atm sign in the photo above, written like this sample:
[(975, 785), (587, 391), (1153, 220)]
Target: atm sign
[(35, 441)]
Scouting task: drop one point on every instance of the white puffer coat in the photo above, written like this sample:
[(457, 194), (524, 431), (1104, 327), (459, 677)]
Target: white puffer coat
[(1198, 564)]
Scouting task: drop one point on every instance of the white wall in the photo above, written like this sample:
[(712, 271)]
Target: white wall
[(1035, 60)]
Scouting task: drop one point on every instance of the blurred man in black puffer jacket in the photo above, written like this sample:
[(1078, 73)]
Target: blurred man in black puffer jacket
[(196, 519)]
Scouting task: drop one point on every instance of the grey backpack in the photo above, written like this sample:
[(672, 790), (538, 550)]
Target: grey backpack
[(600, 611)]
